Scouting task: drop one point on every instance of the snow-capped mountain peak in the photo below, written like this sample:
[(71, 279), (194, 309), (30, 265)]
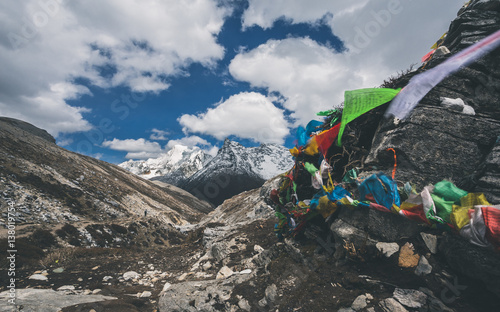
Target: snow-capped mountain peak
[(179, 157), (236, 168)]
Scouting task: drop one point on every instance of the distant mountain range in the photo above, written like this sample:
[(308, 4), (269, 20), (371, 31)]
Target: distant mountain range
[(233, 170), (179, 161)]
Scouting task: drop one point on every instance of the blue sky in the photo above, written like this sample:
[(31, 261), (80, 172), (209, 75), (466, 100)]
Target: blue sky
[(125, 79)]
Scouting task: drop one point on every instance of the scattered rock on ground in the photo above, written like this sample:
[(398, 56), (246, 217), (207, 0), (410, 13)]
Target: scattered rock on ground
[(423, 267), (388, 249), (430, 241), (407, 256), (391, 305), (410, 297)]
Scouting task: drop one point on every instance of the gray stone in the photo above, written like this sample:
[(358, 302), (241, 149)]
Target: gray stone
[(258, 248), (219, 251), (423, 267), (262, 302), (204, 294), (343, 232), (436, 305), (46, 300), (388, 249), (442, 50), (166, 287), (206, 266), (38, 277), (391, 305), (472, 261), (224, 272), (244, 305), (410, 297), (430, 241), (360, 302), (66, 287), (145, 294), (381, 226), (58, 270), (130, 275), (271, 293), (345, 310)]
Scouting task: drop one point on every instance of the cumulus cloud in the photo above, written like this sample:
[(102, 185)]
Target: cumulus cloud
[(247, 115), (144, 149), (46, 44), (310, 76), (189, 141), (159, 135), (194, 141), (263, 13), (382, 37), (135, 148)]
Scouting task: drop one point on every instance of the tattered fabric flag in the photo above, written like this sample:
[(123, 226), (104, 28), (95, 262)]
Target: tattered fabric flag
[(326, 113), (436, 45), (325, 139), (427, 57), (421, 84), (310, 168), (311, 147), (334, 114), (303, 135), (358, 102)]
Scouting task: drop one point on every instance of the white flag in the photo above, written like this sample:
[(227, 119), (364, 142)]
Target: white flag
[(422, 83)]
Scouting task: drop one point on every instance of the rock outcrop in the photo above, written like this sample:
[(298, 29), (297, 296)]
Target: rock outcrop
[(437, 142)]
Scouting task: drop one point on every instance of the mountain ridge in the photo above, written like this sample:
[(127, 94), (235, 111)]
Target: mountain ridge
[(64, 186), (236, 169), (181, 159)]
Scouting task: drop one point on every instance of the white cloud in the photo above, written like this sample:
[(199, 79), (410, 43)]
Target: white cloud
[(189, 141), (264, 12), (312, 77), (212, 151), (64, 141), (133, 145), (144, 149), (45, 44), (194, 141), (159, 135), (248, 115), (383, 37), (142, 155)]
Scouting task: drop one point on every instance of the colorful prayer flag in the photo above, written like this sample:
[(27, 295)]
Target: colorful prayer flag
[(358, 102)]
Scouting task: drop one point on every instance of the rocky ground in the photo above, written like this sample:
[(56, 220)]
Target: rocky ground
[(232, 261), (84, 244)]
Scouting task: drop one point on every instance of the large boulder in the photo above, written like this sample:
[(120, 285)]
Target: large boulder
[(437, 142)]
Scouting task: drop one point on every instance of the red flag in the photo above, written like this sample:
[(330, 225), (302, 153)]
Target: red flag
[(491, 217), (427, 57), (326, 139)]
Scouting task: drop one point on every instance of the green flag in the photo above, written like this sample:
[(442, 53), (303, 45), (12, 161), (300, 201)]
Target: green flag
[(326, 113), (358, 102)]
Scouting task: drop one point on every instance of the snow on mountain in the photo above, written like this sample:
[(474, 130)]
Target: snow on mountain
[(181, 159), (264, 161), (236, 169)]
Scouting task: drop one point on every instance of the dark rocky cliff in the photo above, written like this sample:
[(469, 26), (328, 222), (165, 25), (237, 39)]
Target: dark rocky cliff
[(436, 142)]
